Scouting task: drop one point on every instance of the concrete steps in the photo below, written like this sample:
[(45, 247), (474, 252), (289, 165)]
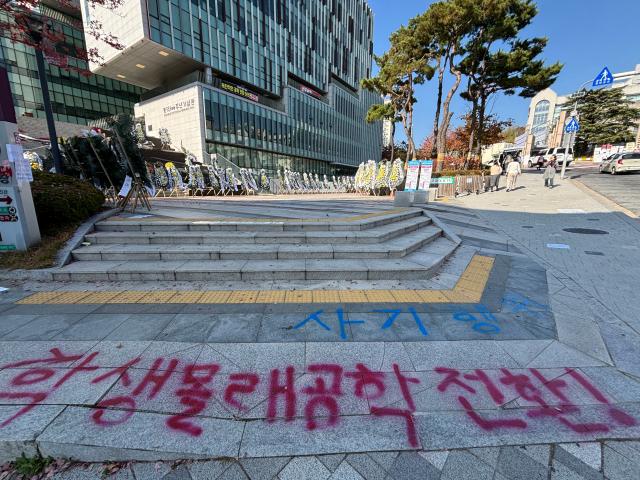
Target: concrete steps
[(264, 225), (156, 236), (398, 245), (422, 264)]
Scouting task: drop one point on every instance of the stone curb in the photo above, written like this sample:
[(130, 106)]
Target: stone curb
[(447, 232), (64, 255)]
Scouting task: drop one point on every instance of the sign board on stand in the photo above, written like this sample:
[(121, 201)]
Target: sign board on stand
[(18, 224), (413, 172), (426, 169)]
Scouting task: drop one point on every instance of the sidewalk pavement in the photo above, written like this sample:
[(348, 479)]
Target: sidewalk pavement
[(539, 379)]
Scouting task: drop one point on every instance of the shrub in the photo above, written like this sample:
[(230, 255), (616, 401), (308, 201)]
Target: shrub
[(63, 201)]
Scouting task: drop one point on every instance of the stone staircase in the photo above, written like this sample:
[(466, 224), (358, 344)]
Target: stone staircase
[(398, 245)]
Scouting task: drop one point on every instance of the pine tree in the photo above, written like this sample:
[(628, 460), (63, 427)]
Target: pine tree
[(606, 117)]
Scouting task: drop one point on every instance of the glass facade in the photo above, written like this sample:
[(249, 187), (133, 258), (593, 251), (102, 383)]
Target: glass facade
[(540, 129), (75, 98), (301, 61)]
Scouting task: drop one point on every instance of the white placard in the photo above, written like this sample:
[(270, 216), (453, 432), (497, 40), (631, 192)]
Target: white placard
[(22, 167), (426, 169), (126, 186)]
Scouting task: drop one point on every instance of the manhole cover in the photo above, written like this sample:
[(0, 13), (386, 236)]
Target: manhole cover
[(585, 231), (527, 226), (593, 219), (589, 252)]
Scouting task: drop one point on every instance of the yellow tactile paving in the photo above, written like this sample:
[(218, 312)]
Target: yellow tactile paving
[(159, 296), (185, 296), (131, 296), (271, 296), (432, 296), (299, 296), (380, 296), (405, 296), (242, 297), (468, 289), (99, 297), (214, 297), (353, 296), (69, 297), (39, 298), (326, 296)]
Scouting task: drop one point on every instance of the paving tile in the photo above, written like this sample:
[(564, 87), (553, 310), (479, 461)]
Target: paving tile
[(262, 357), (18, 436), (304, 468), (179, 473), (92, 327), (619, 467), (514, 464), (461, 465), (525, 351), (373, 355), (13, 352), (263, 468), (150, 470), (411, 466), (463, 354), (540, 453), (278, 327), (143, 437), (355, 434), (583, 334), (331, 461), (436, 458), (621, 387), (209, 470), (140, 327), (345, 472), (583, 458), (488, 455), (9, 323), (235, 472), (44, 327), (560, 355), (589, 453), (384, 459), (561, 472), (366, 466)]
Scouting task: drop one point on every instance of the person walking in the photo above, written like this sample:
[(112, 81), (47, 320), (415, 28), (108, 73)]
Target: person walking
[(550, 172), (513, 170), (494, 179)]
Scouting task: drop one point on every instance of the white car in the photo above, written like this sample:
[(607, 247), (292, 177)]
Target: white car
[(561, 153), (621, 162)]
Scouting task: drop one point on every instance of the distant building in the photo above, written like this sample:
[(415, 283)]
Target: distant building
[(549, 113), (266, 84), (76, 99)]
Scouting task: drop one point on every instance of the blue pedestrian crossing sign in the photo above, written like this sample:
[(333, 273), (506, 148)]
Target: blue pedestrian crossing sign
[(605, 77), (573, 126)]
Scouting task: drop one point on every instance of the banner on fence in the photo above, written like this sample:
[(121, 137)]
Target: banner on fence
[(426, 169), (413, 171), (443, 181)]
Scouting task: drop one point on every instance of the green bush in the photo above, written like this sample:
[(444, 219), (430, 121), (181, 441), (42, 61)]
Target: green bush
[(63, 201)]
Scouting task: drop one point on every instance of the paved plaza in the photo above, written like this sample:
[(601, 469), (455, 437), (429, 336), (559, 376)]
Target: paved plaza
[(474, 338)]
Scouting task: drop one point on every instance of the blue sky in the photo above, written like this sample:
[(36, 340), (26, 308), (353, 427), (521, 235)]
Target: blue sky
[(584, 35)]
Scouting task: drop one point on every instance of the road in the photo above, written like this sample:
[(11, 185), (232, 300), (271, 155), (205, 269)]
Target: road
[(622, 189)]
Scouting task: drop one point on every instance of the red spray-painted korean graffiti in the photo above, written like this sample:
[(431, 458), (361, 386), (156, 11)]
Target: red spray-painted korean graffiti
[(318, 396)]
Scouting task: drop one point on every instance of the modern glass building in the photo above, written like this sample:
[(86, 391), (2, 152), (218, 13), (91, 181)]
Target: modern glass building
[(76, 98), (265, 83)]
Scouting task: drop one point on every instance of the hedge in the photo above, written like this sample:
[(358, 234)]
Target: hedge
[(62, 201)]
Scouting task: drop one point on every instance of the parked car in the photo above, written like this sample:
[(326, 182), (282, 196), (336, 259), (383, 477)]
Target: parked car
[(621, 162), (561, 153)]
